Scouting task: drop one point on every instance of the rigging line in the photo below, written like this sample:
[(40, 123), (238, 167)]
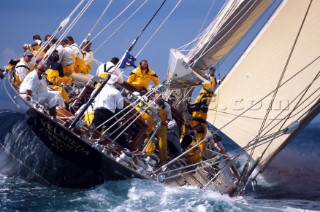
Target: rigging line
[(303, 69), (20, 161), (184, 153), (265, 136), (256, 23), (190, 165), (67, 30), (75, 9), (137, 113), (211, 27), (289, 114), (276, 117), (315, 99), (121, 25), (281, 126), (266, 139), (301, 98), (200, 35), (76, 19), (215, 22), (213, 179), (97, 61), (183, 47), (303, 115), (137, 38), (158, 28), (311, 109), (127, 127), (114, 116), (207, 16), (215, 160), (200, 30), (188, 171), (194, 40), (99, 19), (234, 157), (134, 104), (282, 74), (61, 26), (148, 105), (236, 42), (184, 98), (227, 165), (285, 82), (119, 14)]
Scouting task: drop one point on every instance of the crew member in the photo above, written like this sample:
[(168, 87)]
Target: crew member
[(22, 68), (164, 112), (199, 116), (32, 87), (141, 76), (110, 67)]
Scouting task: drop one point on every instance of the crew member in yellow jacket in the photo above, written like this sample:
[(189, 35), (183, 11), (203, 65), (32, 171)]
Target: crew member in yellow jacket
[(141, 76), (199, 116), (56, 77)]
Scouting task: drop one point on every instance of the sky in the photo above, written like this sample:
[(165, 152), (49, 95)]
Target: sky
[(20, 20), (26, 18)]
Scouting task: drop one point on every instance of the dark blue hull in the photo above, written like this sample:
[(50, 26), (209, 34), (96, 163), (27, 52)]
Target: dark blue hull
[(38, 149)]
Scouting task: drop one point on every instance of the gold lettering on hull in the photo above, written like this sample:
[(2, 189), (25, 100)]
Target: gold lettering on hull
[(60, 140)]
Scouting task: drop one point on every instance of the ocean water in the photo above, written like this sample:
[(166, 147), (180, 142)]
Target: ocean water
[(291, 183)]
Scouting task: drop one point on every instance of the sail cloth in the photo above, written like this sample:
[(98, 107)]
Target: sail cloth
[(231, 24), (285, 54)]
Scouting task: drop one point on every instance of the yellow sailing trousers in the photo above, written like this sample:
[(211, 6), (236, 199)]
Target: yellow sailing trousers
[(62, 91), (162, 136), (68, 70), (162, 142)]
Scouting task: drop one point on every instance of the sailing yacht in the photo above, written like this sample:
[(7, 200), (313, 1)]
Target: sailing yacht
[(266, 99)]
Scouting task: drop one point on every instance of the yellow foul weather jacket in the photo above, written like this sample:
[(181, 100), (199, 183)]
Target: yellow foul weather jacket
[(142, 78)]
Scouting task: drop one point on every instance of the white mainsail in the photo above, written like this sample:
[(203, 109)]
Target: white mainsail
[(275, 82)]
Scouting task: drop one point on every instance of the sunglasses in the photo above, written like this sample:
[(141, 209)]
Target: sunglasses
[(43, 70)]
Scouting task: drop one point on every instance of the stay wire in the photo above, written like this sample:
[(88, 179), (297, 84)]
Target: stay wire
[(158, 28), (137, 38), (121, 25), (19, 161), (282, 75), (99, 19)]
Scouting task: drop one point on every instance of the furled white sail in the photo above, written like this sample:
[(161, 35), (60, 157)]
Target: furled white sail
[(232, 23), (275, 82)]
